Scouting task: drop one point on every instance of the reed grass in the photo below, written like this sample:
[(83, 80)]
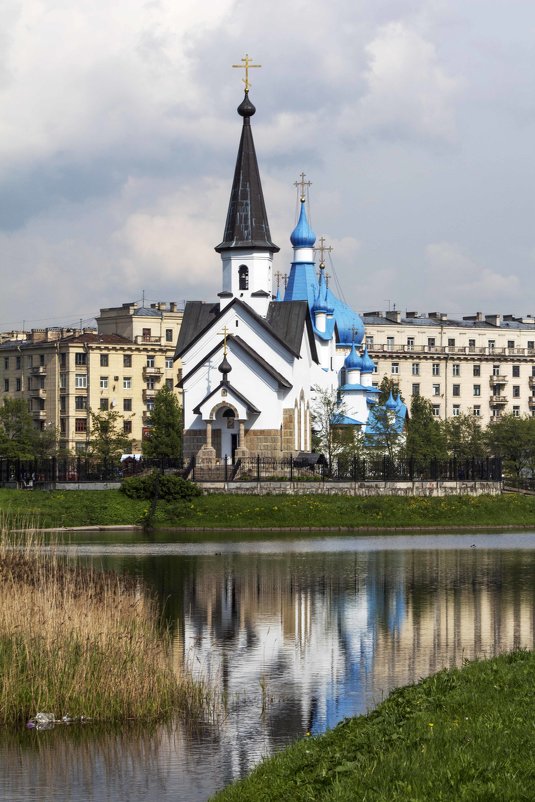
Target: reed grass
[(78, 642)]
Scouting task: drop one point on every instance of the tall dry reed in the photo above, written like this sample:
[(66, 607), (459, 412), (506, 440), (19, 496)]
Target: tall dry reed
[(77, 642)]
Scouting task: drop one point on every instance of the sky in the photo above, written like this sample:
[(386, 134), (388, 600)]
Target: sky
[(413, 119)]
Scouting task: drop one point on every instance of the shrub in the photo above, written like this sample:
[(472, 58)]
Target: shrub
[(167, 487)]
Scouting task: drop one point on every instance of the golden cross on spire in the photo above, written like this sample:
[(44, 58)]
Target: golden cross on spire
[(246, 66), (302, 184), (322, 249), (225, 332)]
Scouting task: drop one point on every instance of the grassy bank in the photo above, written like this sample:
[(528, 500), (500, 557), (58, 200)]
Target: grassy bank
[(77, 643), (82, 508), (460, 735)]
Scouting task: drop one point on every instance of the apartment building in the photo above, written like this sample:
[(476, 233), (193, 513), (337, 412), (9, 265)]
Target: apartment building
[(482, 365), (64, 374)]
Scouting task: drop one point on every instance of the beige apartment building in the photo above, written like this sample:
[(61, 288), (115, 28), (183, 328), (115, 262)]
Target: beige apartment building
[(482, 365), (64, 374)]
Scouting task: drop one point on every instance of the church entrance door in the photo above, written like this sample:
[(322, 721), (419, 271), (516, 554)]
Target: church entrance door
[(234, 447)]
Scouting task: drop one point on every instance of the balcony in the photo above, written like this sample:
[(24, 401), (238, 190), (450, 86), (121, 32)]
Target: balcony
[(149, 394), (145, 339), (499, 378), (531, 381), (152, 372), (38, 392), (39, 414), (498, 399), (38, 371), (531, 401)]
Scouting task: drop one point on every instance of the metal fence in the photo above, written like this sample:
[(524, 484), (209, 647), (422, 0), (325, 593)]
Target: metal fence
[(28, 473)]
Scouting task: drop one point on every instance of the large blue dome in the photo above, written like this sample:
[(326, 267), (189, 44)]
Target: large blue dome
[(302, 236)]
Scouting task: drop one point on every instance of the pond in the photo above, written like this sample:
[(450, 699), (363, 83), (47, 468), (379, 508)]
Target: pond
[(296, 634)]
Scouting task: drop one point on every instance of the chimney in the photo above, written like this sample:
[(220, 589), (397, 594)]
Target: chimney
[(494, 320), (172, 306), (393, 315)]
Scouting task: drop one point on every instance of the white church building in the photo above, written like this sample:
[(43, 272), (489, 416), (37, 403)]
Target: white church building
[(251, 361)]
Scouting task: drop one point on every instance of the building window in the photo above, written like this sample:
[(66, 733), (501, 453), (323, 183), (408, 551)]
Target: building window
[(127, 427), (63, 359), (477, 370), (151, 384), (169, 335), (492, 345), (477, 412), (436, 389), (80, 425), (471, 345), (169, 384), (395, 367), (511, 344), (127, 383), (17, 362), (516, 371), (169, 362), (127, 360), (103, 382), (80, 401), (63, 426), (410, 343), (531, 345), (495, 370), (6, 363), (456, 390), (436, 410), (104, 404), (431, 342), (389, 343), (29, 383), (18, 386), (436, 369), (456, 370), (80, 359), (516, 391), (150, 361), (29, 361), (127, 404), (516, 412), (146, 334), (80, 380), (415, 389), (415, 368), (369, 340), (456, 411), (477, 389), (42, 360), (150, 405), (62, 381), (104, 361), (451, 343), (6, 385), (243, 277), (496, 413)]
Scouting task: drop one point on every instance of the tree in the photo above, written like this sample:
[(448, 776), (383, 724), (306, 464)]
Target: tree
[(385, 433), (425, 439), (329, 434), (107, 439), (166, 427), (513, 439), (18, 434), (386, 387), (465, 439)]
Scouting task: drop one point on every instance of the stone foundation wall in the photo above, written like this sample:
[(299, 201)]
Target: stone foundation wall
[(288, 433), (192, 442), (265, 442), (355, 488)]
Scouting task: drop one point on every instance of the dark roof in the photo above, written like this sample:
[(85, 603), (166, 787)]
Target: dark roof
[(250, 406), (247, 224), (287, 319), (95, 339), (197, 317)]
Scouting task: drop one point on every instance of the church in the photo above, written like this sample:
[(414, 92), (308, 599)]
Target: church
[(252, 362)]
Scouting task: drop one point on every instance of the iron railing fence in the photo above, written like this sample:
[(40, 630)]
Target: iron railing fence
[(252, 469)]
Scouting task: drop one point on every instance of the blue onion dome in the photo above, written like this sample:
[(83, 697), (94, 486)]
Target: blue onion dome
[(391, 403), (368, 365), (353, 360), (302, 236), (321, 300), (246, 108)]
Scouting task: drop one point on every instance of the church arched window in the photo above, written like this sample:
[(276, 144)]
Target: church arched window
[(243, 276)]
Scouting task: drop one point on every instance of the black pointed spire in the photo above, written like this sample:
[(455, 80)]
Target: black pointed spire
[(247, 224)]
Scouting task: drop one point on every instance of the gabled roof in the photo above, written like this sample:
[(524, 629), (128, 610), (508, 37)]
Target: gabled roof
[(285, 322), (232, 391), (232, 342)]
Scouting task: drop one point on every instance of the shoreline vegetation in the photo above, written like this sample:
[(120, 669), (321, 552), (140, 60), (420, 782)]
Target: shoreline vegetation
[(219, 512), (81, 644), (460, 734)]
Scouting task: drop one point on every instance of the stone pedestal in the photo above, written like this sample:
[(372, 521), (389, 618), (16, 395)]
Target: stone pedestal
[(206, 457)]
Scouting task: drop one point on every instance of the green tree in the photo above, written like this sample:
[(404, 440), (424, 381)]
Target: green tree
[(329, 435), (386, 387), (108, 441), (385, 433), (425, 439), (513, 439), (18, 435), (166, 427), (464, 436)]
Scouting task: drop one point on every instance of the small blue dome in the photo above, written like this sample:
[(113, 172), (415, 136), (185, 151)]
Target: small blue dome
[(353, 360), (321, 300), (302, 236), (391, 403), (368, 365)]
